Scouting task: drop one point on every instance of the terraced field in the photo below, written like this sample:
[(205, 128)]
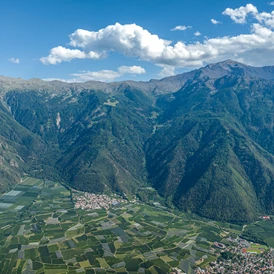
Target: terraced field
[(41, 232)]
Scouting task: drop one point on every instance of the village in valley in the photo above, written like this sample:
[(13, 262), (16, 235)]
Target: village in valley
[(238, 256), (85, 200), (241, 257), (62, 230)]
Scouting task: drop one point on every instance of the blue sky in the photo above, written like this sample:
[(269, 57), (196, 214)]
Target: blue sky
[(113, 40)]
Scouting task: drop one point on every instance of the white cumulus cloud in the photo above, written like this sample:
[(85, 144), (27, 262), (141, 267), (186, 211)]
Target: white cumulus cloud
[(167, 71), (60, 54), (181, 28), (239, 15), (131, 40), (197, 33), (215, 22), (131, 70), (14, 60), (101, 75), (266, 19)]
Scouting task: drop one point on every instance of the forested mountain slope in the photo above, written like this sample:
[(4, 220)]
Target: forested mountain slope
[(203, 139)]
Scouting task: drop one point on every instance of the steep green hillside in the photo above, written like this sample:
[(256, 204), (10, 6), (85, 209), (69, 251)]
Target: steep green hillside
[(97, 138), (209, 156), (20, 151), (203, 139)]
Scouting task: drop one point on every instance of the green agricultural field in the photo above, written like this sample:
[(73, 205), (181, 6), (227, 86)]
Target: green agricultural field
[(260, 232), (41, 232)]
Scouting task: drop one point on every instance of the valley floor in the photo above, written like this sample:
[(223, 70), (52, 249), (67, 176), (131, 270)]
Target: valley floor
[(49, 228)]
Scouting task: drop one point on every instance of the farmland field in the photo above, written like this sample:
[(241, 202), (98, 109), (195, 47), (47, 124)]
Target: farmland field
[(41, 232), (261, 232)]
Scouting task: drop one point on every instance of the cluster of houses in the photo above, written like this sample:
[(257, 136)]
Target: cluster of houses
[(94, 201), (243, 259)]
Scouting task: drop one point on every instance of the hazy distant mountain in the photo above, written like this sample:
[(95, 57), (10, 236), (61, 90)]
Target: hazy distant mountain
[(203, 139)]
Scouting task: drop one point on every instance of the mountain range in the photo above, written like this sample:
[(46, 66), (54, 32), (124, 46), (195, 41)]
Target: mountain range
[(202, 139)]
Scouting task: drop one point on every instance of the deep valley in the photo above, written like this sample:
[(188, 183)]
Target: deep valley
[(203, 140)]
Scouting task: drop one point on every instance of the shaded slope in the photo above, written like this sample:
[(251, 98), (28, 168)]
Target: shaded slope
[(20, 151), (97, 138), (205, 156), (108, 154)]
